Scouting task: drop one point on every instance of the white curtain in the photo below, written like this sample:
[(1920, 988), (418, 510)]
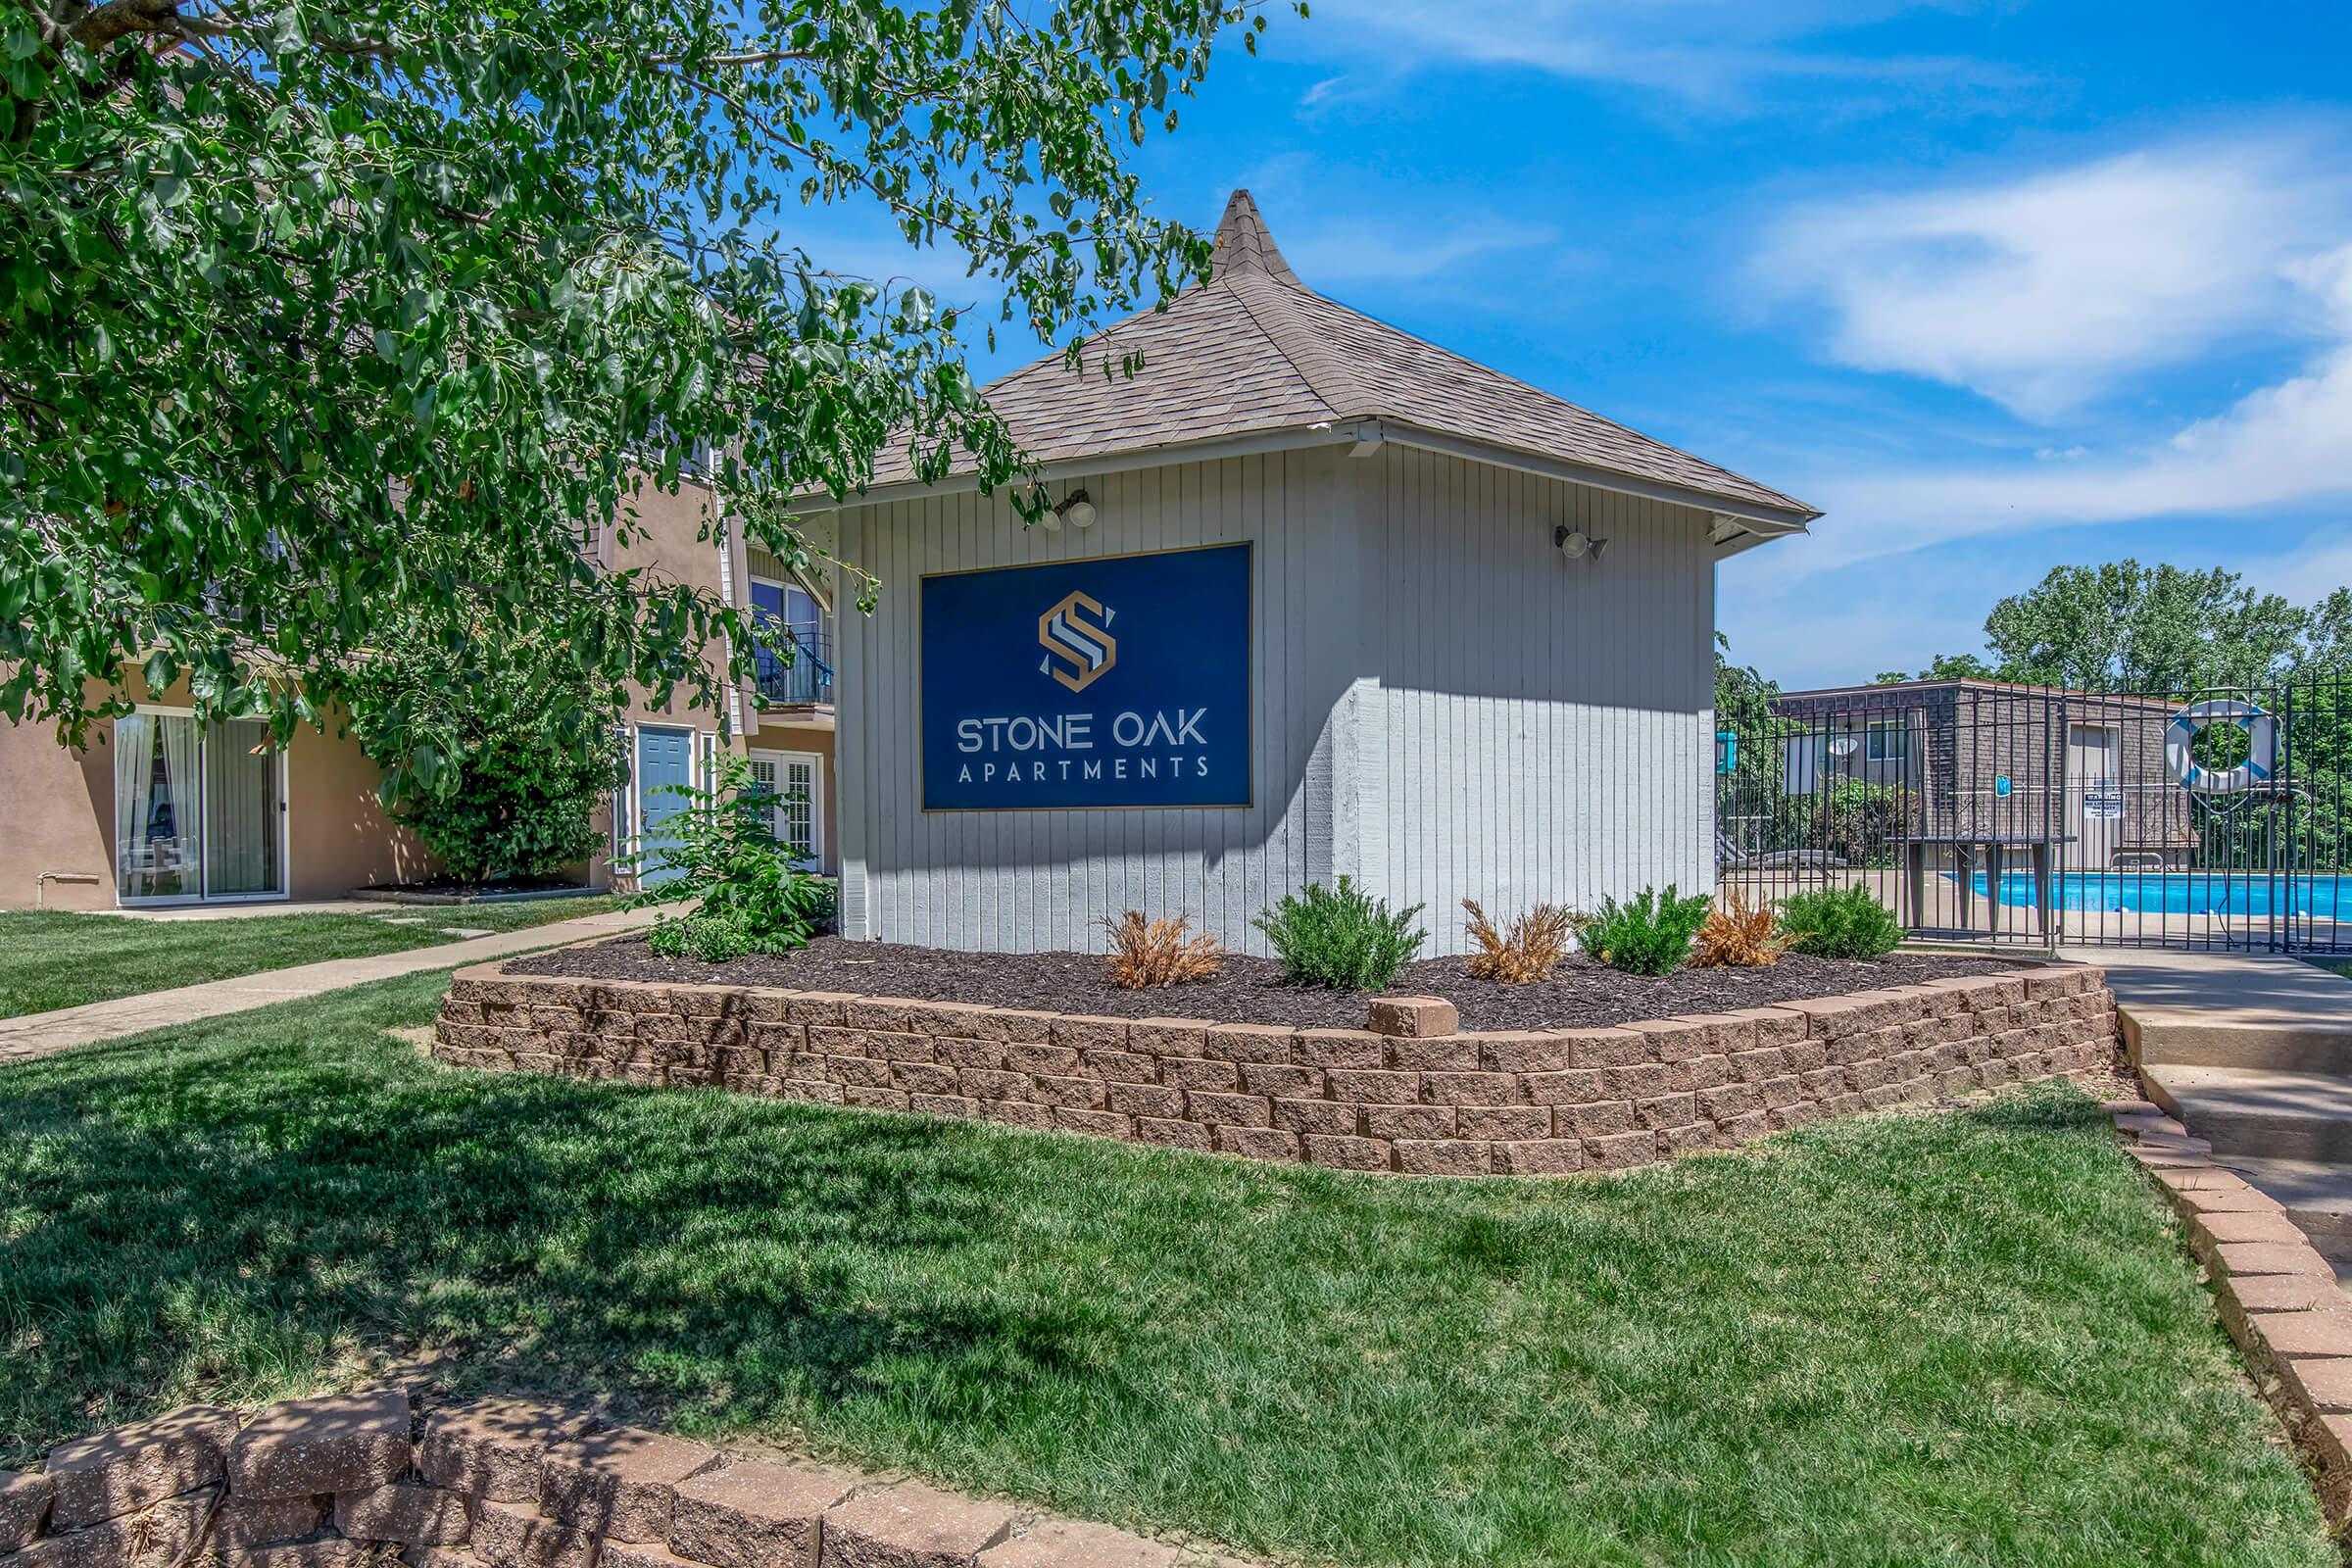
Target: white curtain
[(134, 794), (183, 850), (240, 806)]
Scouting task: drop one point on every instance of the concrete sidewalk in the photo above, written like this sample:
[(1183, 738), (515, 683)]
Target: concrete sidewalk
[(2211, 996), (42, 1034), (2253, 1052)]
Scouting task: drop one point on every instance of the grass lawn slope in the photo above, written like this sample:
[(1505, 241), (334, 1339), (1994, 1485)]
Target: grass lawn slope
[(1904, 1340), (52, 959)]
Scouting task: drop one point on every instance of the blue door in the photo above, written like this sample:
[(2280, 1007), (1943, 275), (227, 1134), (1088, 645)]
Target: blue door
[(665, 759)]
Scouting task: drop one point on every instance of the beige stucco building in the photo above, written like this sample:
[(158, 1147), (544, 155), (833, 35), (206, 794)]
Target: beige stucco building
[(157, 809)]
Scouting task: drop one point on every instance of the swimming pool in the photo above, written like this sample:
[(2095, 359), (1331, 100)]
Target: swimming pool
[(2185, 893)]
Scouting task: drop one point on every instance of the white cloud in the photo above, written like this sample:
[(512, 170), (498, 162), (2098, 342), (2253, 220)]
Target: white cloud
[(1708, 53), (1417, 234), (2284, 444), (1803, 640), (1352, 251), (2045, 292)]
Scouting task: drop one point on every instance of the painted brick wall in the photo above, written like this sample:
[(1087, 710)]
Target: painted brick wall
[(1465, 1105)]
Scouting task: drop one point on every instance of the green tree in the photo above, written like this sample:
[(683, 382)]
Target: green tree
[(1946, 667), (1744, 699), (2128, 627), (2326, 653), (513, 746), (325, 311), (1753, 791)]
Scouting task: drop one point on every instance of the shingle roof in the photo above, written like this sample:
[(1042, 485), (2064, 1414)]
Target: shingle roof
[(1254, 349)]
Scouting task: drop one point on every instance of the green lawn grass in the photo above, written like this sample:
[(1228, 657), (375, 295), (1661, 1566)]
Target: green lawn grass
[(1931, 1339), (50, 959)]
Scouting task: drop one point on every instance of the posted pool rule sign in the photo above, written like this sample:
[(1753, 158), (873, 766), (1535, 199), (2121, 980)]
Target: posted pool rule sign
[(1122, 682)]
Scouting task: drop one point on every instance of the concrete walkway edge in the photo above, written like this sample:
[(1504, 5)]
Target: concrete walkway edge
[(42, 1034)]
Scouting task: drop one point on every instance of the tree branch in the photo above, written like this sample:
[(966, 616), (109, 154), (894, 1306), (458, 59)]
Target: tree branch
[(120, 18)]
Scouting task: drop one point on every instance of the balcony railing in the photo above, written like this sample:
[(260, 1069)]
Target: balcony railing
[(807, 680)]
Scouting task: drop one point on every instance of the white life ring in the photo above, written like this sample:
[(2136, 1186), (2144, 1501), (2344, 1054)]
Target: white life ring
[(2262, 747)]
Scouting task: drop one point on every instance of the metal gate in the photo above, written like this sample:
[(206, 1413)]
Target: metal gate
[(1984, 811)]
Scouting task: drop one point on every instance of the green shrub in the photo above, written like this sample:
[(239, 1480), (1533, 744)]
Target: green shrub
[(711, 938), (1344, 938), (510, 749), (748, 897), (1648, 934), (1839, 923), (1859, 822)]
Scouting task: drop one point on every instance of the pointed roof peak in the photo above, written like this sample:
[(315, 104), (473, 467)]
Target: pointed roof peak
[(1255, 351), (1245, 246)]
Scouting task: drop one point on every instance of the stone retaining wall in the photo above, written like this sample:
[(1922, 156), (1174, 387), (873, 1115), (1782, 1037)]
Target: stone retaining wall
[(2276, 1294), (1444, 1103), (361, 1481)]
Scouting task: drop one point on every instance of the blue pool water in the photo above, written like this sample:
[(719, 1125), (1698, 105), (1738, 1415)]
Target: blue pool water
[(2180, 893)]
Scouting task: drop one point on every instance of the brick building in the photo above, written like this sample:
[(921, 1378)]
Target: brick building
[(1980, 756)]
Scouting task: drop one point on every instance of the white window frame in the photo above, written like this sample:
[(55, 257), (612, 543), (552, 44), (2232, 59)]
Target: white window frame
[(817, 797), (785, 588), (1873, 746), (204, 826), (701, 767)]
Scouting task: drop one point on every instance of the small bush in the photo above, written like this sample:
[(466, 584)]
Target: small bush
[(748, 894), (1157, 953), (1344, 938), (1528, 952), (711, 938), (1649, 933), (497, 751), (1840, 923), (1738, 935)]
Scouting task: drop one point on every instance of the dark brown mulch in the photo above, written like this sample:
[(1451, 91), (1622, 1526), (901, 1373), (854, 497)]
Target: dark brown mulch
[(1580, 994)]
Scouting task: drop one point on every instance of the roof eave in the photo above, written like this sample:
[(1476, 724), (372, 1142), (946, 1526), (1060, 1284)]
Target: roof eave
[(1753, 515), (1286, 438), (1743, 523), (1741, 540)]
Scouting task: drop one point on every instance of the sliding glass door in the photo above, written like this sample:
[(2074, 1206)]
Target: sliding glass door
[(159, 825), (242, 803), (199, 812)]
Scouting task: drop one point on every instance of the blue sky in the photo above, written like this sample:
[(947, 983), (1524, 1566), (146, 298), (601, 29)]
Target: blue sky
[(1999, 286)]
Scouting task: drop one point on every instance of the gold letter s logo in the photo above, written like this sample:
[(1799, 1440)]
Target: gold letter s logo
[(1086, 647)]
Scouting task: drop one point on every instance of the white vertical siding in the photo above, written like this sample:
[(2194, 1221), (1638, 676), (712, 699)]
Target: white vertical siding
[(1041, 880), (1549, 733), (1445, 708)]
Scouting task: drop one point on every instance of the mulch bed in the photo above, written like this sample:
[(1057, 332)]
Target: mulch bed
[(1580, 994)]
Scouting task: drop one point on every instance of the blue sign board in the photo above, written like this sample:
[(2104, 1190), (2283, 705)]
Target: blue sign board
[(1119, 681)]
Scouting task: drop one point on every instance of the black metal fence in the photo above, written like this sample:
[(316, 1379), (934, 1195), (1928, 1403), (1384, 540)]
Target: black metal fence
[(1984, 812), (807, 678)]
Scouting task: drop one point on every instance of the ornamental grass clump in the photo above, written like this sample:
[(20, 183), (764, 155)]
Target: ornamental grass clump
[(1738, 935), (1846, 922), (1340, 938), (1528, 950), (1648, 934), (1157, 953)]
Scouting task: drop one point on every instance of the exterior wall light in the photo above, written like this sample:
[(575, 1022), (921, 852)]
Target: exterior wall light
[(1078, 511), (1577, 545)]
